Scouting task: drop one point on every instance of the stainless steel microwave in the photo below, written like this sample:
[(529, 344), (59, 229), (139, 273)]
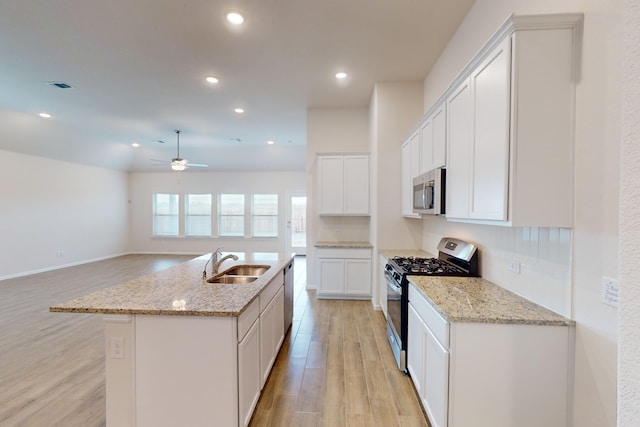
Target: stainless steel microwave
[(429, 192)]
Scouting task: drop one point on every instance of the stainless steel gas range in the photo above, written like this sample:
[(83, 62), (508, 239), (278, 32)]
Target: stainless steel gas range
[(455, 258)]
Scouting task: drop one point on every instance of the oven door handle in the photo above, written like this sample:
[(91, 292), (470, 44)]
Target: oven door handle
[(392, 284)]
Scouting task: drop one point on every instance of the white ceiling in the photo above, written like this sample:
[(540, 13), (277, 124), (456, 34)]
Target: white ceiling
[(137, 68)]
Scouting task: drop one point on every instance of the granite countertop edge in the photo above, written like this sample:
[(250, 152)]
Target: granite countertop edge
[(476, 300), (157, 293)]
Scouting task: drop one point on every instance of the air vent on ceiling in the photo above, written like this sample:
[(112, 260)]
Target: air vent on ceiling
[(60, 85)]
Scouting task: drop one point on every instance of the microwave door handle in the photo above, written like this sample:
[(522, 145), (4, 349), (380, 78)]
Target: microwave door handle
[(424, 195)]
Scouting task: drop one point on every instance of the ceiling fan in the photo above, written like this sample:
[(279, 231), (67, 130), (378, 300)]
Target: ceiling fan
[(178, 163)]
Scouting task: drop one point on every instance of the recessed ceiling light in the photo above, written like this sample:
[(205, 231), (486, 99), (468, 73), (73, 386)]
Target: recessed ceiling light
[(135, 144), (239, 110), (270, 142), (341, 75), (45, 115), (212, 79), (235, 18)]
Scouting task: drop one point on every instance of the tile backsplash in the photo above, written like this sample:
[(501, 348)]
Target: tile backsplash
[(529, 261)]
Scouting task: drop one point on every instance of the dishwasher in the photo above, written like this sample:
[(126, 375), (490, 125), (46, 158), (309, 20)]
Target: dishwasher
[(288, 296)]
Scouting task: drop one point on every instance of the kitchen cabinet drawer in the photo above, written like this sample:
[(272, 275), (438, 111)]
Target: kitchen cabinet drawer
[(438, 325), (248, 318), (343, 253), (271, 290)]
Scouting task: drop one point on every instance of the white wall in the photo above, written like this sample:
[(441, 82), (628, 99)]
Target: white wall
[(563, 269), (144, 185), (398, 107), (629, 317), (54, 214), (332, 130), (393, 109)]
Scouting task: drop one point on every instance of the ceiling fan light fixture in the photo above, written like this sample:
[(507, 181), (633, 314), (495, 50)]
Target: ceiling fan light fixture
[(178, 165)]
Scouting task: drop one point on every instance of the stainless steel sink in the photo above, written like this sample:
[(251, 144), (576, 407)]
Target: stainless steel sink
[(246, 270), (240, 274), (224, 279)]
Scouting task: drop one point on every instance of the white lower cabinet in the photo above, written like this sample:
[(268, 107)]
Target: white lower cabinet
[(249, 374), (428, 365), (344, 273), (271, 334), (488, 374)]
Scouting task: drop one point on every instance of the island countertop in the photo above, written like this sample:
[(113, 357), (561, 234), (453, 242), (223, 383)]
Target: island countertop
[(476, 300), (181, 290)]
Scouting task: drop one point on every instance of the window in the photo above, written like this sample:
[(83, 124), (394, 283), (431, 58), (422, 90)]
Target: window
[(197, 215), (231, 215), (264, 215), (165, 214)]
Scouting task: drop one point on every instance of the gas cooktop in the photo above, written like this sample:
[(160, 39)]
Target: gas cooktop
[(455, 258)]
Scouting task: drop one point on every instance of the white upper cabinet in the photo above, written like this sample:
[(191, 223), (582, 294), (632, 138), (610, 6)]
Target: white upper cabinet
[(459, 122), (433, 140), (510, 123), (343, 181), (410, 169), (477, 185)]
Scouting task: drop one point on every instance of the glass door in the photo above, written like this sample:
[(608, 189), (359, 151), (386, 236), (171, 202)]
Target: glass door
[(297, 223)]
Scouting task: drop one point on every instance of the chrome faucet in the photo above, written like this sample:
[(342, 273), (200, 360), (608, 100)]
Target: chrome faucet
[(214, 258), (216, 265)]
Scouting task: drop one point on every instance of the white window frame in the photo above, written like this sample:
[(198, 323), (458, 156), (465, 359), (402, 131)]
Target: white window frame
[(222, 232), (163, 217), (191, 230), (255, 217)]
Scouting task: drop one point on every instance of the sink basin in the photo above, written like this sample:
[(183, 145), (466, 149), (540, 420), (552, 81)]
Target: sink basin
[(246, 270), (224, 279)]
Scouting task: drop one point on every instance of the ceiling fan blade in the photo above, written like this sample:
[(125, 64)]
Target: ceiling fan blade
[(160, 161), (197, 165)]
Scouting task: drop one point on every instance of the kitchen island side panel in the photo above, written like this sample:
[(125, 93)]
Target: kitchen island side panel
[(186, 371)]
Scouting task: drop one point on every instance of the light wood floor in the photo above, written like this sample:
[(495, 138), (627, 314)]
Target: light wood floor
[(335, 367)]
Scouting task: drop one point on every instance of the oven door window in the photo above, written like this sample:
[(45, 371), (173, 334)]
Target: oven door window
[(394, 305)]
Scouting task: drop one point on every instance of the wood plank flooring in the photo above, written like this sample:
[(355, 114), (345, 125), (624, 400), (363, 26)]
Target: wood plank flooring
[(335, 367)]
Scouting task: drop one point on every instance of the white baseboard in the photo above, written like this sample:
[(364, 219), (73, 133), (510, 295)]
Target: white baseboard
[(58, 267), (87, 261)]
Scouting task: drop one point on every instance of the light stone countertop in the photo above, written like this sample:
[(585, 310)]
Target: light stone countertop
[(475, 300), (345, 245), (163, 292)]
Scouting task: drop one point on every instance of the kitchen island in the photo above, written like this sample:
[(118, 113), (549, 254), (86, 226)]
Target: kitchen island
[(182, 351)]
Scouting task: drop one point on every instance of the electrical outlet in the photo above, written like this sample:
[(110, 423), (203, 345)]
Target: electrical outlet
[(610, 291), (514, 267), (117, 347), (60, 254)]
